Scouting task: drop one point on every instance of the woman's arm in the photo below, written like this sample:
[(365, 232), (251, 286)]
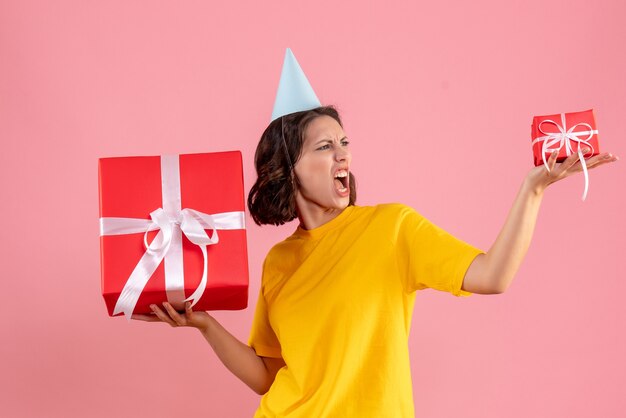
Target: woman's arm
[(493, 272), (255, 371)]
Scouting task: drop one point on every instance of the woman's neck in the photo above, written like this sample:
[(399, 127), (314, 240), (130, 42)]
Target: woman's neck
[(313, 217)]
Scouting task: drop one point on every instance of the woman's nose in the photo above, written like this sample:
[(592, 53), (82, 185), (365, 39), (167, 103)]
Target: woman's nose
[(341, 154)]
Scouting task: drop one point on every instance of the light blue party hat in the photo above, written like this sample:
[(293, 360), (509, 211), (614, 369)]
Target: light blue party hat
[(294, 94)]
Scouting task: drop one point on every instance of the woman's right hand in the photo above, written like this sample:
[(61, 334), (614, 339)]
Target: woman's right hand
[(190, 318)]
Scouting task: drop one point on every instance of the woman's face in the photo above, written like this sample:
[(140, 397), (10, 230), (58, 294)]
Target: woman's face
[(323, 167)]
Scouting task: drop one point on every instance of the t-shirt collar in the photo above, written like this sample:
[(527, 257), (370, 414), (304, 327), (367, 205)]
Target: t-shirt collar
[(318, 232)]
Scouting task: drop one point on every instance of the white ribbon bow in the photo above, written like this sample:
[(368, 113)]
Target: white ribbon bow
[(554, 141), (172, 222)]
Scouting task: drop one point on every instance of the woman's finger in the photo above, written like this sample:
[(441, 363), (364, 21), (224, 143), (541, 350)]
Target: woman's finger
[(552, 160), (593, 160), (571, 160), (178, 319), (188, 314), (188, 310), (162, 315), (600, 159)]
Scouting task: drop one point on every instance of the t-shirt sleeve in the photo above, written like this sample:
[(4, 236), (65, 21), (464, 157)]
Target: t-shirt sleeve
[(262, 337), (431, 257)]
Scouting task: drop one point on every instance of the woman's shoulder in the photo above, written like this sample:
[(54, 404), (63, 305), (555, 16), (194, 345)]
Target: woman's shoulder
[(385, 217), (277, 250), (386, 209)]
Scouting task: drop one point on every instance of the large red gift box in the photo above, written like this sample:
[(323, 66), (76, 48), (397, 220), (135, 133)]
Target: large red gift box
[(565, 132), (192, 206)]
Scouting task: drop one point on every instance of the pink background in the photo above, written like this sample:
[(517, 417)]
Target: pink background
[(437, 98)]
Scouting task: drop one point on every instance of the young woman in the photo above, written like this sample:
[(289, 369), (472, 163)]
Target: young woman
[(330, 334)]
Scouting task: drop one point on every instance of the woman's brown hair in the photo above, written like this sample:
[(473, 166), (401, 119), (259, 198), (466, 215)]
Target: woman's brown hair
[(272, 198)]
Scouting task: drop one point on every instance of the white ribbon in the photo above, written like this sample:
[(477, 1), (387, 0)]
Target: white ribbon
[(554, 141), (172, 222)]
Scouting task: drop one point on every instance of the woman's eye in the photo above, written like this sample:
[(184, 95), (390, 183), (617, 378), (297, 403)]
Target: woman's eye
[(345, 143), (324, 147)]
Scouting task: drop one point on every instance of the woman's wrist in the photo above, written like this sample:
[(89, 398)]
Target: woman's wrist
[(535, 189), (207, 326), (534, 185)]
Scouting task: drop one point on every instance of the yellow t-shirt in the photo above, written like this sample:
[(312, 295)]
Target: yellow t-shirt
[(336, 303)]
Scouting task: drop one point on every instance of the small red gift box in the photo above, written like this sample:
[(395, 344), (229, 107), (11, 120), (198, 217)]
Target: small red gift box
[(565, 132), (172, 229)]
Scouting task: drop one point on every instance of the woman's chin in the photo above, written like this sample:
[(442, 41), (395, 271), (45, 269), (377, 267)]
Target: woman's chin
[(342, 202)]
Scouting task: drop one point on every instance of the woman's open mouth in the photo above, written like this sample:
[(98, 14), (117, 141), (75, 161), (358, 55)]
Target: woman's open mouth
[(342, 182)]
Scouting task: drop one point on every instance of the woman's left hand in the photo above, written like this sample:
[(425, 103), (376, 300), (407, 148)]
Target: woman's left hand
[(539, 178)]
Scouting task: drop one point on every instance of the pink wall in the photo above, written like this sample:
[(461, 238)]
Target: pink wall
[(437, 99)]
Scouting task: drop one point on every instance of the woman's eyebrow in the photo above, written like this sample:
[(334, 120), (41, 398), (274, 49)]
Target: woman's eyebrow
[(328, 140)]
